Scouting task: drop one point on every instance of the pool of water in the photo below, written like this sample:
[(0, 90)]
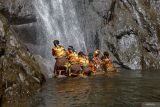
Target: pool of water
[(122, 89)]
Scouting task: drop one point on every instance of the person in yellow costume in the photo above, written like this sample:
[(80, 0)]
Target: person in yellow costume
[(107, 63), (58, 51), (85, 64), (92, 65), (75, 67), (97, 52), (97, 60), (72, 55), (83, 59)]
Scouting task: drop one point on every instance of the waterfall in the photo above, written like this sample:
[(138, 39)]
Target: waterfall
[(58, 20)]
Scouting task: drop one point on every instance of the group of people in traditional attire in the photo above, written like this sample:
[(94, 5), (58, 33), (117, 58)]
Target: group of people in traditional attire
[(71, 63)]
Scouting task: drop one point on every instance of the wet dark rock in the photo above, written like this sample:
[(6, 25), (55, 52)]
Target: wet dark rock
[(45, 65), (128, 29), (22, 18), (15, 14), (20, 73), (14, 19)]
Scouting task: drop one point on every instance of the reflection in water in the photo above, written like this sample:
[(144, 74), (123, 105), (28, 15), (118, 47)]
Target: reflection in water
[(123, 89)]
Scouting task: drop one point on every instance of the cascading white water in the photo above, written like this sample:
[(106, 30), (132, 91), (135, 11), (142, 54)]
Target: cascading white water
[(59, 21)]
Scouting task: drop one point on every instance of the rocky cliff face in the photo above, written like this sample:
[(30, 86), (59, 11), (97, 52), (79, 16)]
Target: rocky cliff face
[(128, 29), (21, 74), (22, 18)]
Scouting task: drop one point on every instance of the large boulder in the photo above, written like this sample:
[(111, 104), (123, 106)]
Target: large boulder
[(45, 65)]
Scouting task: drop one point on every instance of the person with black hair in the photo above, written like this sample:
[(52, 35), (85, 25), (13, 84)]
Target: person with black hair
[(105, 54), (107, 64), (58, 51), (71, 47), (74, 66), (72, 55), (83, 59), (92, 64)]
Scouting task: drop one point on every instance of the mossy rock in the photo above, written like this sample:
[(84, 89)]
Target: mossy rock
[(17, 61)]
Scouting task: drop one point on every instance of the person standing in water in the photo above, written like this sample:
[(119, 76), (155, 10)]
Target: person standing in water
[(74, 67), (92, 64), (96, 59), (84, 61), (58, 51), (107, 64), (72, 55)]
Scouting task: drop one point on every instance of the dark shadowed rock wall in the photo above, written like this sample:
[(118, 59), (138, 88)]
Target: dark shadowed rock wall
[(20, 73)]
